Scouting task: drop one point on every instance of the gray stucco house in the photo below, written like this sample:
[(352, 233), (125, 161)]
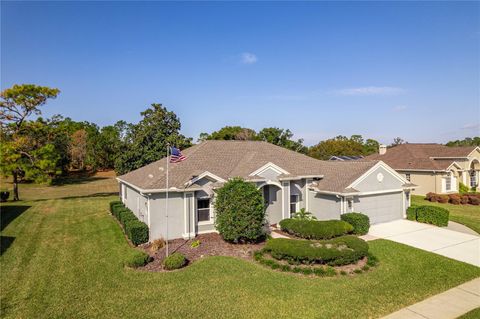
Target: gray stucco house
[(288, 180)]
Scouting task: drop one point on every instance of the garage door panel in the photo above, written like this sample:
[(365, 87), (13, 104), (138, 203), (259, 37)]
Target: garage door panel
[(380, 208)]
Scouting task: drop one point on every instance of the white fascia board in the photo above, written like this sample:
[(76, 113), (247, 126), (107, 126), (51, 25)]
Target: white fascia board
[(475, 149), (454, 163), (148, 191), (420, 170), (272, 166), (300, 177), (397, 190), (372, 169), (203, 175)]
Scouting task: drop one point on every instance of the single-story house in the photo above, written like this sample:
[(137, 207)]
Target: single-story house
[(288, 180), (433, 167)]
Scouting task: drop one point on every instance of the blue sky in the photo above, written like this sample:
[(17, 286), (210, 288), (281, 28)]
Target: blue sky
[(380, 69)]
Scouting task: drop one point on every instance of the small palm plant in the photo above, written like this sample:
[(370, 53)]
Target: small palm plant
[(303, 214)]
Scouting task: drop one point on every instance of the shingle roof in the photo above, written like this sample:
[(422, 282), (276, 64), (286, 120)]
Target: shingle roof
[(228, 159), (422, 156)]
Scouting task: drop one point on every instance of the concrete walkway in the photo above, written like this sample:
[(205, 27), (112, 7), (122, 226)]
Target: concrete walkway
[(442, 241), (447, 305)]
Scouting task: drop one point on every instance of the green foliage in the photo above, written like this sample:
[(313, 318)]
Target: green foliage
[(468, 141), (313, 229), (335, 252), (135, 230), (174, 261), (303, 214), (146, 142), (432, 215), (281, 137), (230, 133), (195, 243), (341, 145), (359, 221), (137, 259), (412, 213), (240, 212), (463, 189)]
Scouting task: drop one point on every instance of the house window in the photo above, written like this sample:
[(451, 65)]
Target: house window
[(294, 201), (448, 182), (473, 179), (203, 210), (407, 177)]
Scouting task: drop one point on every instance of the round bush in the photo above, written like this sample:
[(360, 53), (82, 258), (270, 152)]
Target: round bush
[(442, 199), (240, 212), (474, 200), (174, 261), (412, 212), (335, 252), (138, 259), (315, 229), (359, 221), (454, 199)]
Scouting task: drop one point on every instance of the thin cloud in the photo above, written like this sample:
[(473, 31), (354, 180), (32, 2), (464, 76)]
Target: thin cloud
[(248, 58), (371, 90), (399, 108), (471, 126)]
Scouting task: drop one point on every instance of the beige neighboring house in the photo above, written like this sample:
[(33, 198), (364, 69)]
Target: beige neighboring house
[(433, 167)]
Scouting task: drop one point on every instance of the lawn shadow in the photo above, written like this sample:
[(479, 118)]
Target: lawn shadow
[(9, 213), (105, 194), (5, 243)]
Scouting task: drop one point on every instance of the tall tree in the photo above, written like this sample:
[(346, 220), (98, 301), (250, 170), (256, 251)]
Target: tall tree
[(397, 141), (281, 137), (147, 141), (19, 154), (78, 149), (343, 146), (468, 141), (230, 133)]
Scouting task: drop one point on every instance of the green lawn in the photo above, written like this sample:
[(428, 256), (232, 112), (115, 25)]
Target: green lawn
[(474, 314), (467, 215), (65, 260)]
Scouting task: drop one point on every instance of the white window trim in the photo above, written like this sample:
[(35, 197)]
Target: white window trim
[(297, 204), (271, 166), (210, 220)]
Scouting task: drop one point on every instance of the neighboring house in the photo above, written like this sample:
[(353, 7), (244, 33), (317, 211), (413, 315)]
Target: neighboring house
[(288, 180), (345, 158), (433, 167)]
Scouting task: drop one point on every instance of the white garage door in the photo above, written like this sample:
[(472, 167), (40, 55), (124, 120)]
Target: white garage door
[(380, 208)]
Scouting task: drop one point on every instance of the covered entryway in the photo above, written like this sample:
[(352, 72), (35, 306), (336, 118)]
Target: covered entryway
[(272, 195), (380, 208)]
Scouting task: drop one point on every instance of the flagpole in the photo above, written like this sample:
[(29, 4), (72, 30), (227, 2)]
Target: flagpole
[(166, 203)]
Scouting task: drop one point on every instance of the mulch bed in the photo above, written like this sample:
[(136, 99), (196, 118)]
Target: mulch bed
[(211, 244)]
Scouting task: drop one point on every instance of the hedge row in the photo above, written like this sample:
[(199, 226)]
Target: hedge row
[(456, 199), (429, 214), (360, 222), (335, 252), (135, 230), (315, 229)]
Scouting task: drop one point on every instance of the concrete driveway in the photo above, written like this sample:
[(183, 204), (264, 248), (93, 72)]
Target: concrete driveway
[(445, 242)]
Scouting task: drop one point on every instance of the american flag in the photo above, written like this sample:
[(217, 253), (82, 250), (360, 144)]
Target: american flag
[(176, 156)]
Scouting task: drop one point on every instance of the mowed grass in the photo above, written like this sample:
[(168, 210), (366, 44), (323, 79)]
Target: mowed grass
[(65, 260), (468, 215)]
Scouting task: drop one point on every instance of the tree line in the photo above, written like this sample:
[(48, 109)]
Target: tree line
[(43, 149)]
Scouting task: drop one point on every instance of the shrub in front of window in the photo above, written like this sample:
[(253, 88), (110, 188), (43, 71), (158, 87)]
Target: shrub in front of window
[(359, 221), (454, 199), (462, 188), (303, 214), (335, 252), (432, 215), (137, 259), (474, 200), (240, 212), (315, 229), (442, 199), (464, 199), (432, 197), (174, 261)]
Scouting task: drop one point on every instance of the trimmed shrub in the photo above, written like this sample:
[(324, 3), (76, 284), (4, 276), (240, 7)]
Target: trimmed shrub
[(442, 199), (412, 213), (359, 221), (432, 197), (240, 212), (432, 215), (454, 199), (174, 261), (125, 215), (315, 229), (464, 200), (138, 259), (335, 252), (137, 231), (474, 200)]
